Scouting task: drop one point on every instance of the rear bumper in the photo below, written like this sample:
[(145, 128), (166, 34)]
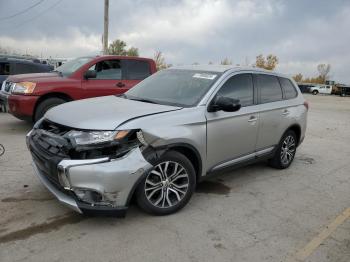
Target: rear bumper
[(22, 106)]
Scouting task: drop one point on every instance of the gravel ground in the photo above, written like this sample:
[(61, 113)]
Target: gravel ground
[(254, 213)]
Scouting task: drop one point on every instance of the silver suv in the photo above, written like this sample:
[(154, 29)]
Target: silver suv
[(162, 137)]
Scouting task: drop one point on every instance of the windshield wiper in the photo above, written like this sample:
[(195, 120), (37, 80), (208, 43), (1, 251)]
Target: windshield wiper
[(59, 72), (143, 100)]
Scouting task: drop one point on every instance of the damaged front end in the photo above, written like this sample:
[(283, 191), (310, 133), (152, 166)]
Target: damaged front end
[(89, 170)]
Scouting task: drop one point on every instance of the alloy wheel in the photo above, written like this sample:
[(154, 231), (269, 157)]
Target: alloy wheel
[(287, 150), (167, 184)]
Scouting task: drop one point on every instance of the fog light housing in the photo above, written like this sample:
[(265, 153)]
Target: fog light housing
[(62, 178), (89, 196)]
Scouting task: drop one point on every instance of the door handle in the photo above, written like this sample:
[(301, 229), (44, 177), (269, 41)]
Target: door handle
[(285, 112), (252, 119), (120, 84)]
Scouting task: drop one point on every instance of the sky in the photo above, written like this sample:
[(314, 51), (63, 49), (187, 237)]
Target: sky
[(301, 33)]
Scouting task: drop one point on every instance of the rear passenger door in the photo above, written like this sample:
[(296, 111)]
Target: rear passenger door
[(274, 110), (135, 71)]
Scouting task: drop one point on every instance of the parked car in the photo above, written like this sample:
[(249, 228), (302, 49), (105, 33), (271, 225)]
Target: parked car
[(162, 137), (305, 88), (12, 66), (32, 95), (344, 90), (321, 89)]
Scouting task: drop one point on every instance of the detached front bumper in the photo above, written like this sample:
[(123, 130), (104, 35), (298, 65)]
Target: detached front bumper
[(93, 185)]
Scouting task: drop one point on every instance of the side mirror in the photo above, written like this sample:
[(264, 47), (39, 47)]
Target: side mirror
[(226, 104), (90, 74)]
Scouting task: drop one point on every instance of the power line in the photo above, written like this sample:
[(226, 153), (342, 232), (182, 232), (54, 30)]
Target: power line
[(23, 11), (39, 14)]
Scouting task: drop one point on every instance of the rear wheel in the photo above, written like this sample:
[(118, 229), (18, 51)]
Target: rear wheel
[(285, 151), (45, 105), (168, 186), (315, 92)]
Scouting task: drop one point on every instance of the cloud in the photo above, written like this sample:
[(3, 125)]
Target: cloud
[(301, 33)]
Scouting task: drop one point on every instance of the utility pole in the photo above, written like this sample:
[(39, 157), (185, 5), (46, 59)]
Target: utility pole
[(105, 29)]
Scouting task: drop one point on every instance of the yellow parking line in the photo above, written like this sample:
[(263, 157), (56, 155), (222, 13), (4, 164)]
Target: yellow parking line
[(305, 252)]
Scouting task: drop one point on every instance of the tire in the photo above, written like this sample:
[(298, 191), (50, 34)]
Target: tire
[(163, 195), (285, 151), (315, 92), (45, 105)]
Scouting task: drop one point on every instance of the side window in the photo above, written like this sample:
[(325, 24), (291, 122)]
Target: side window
[(108, 69), (137, 70), (4, 68), (288, 88), (269, 87), (239, 87), (25, 68)]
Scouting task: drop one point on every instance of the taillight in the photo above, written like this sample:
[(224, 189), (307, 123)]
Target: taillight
[(306, 104)]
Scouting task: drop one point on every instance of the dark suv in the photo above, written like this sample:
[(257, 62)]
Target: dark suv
[(13, 66)]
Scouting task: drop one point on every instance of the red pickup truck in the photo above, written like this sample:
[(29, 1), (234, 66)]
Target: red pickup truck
[(32, 95)]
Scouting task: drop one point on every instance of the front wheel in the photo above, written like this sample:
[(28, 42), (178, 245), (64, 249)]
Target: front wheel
[(315, 92), (45, 105), (285, 151), (168, 186)]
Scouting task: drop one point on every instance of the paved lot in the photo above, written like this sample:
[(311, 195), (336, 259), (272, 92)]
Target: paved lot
[(252, 214)]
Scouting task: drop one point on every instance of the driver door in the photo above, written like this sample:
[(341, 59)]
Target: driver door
[(231, 136), (109, 79)]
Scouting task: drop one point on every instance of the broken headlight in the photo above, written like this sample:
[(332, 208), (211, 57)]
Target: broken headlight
[(95, 137)]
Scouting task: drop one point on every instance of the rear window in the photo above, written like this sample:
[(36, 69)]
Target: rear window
[(137, 70), (4, 68), (26, 68), (288, 88), (269, 87)]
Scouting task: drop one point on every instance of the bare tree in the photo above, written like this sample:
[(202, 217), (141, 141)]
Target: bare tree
[(160, 61), (323, 70), (298, 78)]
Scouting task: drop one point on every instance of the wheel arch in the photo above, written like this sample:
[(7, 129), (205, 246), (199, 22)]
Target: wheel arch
[(192, 154), (297, 130), (186, 149), (61, 95)]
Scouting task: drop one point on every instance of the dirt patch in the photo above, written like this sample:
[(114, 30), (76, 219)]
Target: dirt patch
[(213, 187), (45, 227), (20, 199), (306, 160)]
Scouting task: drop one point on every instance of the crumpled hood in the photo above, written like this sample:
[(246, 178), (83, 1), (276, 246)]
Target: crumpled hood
[(103, 113), (36, 78)]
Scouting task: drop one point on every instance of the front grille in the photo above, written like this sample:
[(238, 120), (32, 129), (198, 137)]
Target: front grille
[(8, 87), (54, 128), (48, 150)]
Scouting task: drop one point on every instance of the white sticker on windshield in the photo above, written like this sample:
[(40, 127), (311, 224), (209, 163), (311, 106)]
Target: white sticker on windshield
[(204, 76)]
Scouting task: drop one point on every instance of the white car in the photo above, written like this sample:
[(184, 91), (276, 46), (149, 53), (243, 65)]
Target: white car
[(322, 89)]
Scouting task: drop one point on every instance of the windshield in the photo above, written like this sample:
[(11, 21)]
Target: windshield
[(71, 66), (174, 87)]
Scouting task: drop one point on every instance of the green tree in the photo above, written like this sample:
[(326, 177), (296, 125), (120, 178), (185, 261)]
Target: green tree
[(118, 47)]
